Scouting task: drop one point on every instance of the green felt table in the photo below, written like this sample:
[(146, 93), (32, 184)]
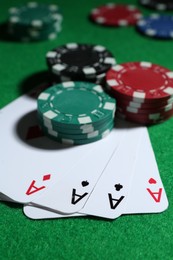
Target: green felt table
[(146, 236)]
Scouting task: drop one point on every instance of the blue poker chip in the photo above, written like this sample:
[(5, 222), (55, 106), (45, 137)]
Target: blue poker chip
[(156, 25)]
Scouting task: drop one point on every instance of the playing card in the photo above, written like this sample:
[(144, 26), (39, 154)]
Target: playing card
[(147, 194), (31, 162), (109, 196)]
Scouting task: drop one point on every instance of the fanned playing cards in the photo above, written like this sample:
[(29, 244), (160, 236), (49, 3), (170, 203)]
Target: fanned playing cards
[(114, 176)]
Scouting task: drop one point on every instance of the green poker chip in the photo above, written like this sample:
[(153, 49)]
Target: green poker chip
[(81, 130), (34, 14), (75, 104), (72, 136), (34, 22), (70, 141), (84, 128)]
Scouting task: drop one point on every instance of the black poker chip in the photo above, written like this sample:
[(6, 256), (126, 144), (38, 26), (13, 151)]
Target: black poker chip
[(160, 5), (80, 61)]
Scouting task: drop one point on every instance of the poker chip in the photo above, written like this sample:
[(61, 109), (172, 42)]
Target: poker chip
[(75, 129), (153, 118), (137, 104), (141, 89), (115, 15), (142, 113), (75, 103), (154, 104), (143, 106), (146, 111), (78, 127), (76, 136), (78, 141), (146, 116), (34, 14), (80, 112), (80, 62), (83, 129), (157, 26), (128, 80), (34, 22), (160, 5)]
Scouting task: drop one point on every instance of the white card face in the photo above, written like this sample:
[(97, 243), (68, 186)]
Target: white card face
[(29, 162), (147, 194), (71, 193), (109, 196)]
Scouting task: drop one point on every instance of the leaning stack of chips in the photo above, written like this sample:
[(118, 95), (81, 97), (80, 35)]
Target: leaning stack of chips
[(80, 62), (34, 22), (143, 91), (76, 112)]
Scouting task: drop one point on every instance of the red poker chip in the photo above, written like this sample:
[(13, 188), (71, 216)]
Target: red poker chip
[(143, 106), (144, 120), (141, 110), (141, 121), (141, 82), (137, 102), (147, 116), (115, 15)]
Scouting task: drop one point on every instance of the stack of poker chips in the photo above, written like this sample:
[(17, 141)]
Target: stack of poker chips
[(34, 22), (80, 62), (144, 91), (76, 112)]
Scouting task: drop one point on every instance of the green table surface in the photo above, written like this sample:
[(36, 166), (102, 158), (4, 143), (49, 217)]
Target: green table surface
[(146, 236)]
